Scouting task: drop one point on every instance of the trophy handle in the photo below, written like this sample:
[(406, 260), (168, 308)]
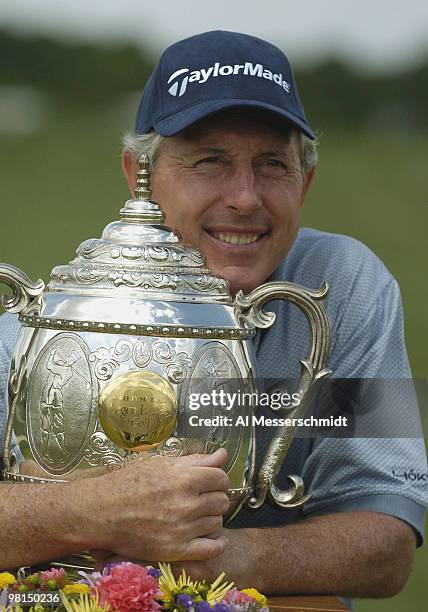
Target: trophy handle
[(313, 369), (23, 289)]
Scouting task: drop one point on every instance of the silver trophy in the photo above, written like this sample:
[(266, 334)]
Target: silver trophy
[(111, 350)]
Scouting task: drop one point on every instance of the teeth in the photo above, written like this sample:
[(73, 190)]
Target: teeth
[(232, 238)]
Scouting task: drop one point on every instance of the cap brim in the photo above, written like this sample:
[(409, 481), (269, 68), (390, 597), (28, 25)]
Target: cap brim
[(173, 124)]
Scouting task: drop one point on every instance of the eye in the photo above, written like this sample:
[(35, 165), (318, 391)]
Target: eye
[(212, 159), (275, 163)]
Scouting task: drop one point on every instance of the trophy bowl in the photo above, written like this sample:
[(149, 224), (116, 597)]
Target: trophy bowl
[(113, 349)]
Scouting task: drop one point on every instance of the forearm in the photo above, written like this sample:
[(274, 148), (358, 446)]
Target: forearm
[(115, 512), (356, 554), (40, 522)]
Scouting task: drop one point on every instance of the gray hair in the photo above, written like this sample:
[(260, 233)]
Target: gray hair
[(136, 144), (308, 153)]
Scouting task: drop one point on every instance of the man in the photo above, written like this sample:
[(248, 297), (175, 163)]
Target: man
[(232, 164)]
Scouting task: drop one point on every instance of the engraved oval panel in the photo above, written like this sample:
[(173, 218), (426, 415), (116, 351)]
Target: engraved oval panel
[(142, 352), (61, 404), (214, 369)]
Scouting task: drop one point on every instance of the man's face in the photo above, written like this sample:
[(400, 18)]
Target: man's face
[(233, 186)]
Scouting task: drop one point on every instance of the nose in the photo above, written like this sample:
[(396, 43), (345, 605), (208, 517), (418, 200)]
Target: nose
[(240, 191)]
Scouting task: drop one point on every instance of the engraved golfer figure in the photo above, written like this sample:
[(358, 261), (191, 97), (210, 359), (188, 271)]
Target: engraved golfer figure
[(61, 371)]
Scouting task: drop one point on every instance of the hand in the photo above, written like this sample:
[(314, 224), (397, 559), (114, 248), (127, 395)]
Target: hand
[(238, 561), (162, 508)]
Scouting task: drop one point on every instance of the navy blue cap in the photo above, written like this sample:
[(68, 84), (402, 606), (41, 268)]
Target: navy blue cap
[(213, 71)]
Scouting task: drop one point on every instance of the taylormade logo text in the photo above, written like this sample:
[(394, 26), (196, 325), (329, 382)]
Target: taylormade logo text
[(181, 78)]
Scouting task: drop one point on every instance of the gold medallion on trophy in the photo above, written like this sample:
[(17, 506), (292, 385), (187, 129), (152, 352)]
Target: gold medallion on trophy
[(138, 410)]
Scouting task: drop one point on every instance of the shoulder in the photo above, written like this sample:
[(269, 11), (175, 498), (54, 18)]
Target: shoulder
[(363, 302), (341, 256), (329, 248), (353, 272)]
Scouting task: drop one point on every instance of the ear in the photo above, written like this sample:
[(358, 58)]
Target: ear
[(307, 182), (129, 169)]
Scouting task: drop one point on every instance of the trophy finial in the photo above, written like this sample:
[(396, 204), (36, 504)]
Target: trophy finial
[(141, 209), (143, 189)]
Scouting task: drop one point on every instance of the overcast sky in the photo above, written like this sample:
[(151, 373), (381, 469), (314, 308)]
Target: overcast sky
[(381, 34)]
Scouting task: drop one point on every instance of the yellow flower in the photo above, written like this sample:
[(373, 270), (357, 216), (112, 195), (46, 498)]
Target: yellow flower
[(6, 579), (83, 589), (217, 590), (261, 599), (167, 583), (170, 586), (85, 603)]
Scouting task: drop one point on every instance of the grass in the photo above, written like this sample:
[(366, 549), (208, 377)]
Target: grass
[(373, 189), (63, 185)]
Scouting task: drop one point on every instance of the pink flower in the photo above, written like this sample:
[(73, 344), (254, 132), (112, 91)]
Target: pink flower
[(129, 588), (237, 597), (56, 574)]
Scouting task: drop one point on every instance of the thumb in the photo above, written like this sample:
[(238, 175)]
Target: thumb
[(216, 459)]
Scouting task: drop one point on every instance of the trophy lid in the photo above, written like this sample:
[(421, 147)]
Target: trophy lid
[(139, 253)]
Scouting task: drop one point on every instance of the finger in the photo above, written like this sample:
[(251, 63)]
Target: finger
[(216, 459), (206, 479), (213, 502), (206, 526), (201, 549), (218, 534)]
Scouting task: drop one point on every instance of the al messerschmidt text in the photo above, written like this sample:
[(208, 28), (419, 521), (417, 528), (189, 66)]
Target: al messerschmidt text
[(247, 420)]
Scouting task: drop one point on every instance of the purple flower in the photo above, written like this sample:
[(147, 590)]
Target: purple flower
[(186, 601), (153, 571), (203, 606), (221, 607), (109, 566)]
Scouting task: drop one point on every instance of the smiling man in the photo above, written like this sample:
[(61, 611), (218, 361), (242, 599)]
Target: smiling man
[(233, 158)]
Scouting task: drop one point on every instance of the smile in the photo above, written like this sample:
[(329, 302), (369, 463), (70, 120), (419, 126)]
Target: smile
[(236, 238)]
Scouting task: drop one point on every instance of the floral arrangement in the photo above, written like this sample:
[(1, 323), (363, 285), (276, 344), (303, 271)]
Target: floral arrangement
[(123, 587)]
